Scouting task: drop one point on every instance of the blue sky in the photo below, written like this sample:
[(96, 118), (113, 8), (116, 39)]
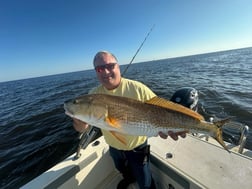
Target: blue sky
[(45, 37)]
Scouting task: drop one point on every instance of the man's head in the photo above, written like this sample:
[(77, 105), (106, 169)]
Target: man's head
[(107, 69)]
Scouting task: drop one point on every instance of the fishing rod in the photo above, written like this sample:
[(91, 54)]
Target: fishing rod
[(138, 49)]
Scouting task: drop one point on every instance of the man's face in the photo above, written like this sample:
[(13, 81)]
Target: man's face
[(108, 71)]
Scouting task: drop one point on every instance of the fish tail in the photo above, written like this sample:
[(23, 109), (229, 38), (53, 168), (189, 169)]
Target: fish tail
[(218, 135), (222, 122)]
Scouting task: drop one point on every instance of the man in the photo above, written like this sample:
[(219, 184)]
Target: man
[(132, 158)]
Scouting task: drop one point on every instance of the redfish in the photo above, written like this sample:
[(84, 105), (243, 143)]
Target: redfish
[(122, 115)]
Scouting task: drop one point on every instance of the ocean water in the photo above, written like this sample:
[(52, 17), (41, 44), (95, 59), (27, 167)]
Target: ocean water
[(35, 134)]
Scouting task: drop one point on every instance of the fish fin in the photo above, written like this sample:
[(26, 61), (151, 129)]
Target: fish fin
[(218, 135), (113, 122), (119, 137), (174, 107)]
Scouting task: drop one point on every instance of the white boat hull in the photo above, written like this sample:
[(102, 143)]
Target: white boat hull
[(194, 164)]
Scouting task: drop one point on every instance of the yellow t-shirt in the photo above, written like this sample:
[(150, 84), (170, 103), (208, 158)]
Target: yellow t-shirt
[(131, 89)]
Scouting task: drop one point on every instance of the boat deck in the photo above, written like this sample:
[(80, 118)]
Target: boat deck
[(186, 163), (206, 164)]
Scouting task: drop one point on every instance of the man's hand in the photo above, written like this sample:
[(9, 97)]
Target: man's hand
[(173, 135), (79, 126)]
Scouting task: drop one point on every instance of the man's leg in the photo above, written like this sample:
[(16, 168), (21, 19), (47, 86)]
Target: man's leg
[(139, 161), (121, 164)]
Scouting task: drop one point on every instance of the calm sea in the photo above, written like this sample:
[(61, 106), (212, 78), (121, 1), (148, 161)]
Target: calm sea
[(35, 134)]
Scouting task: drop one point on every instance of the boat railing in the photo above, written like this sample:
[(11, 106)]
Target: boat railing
[(243, 138), (243, 134)]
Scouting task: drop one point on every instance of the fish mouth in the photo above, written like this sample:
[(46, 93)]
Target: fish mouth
[(68, 112)]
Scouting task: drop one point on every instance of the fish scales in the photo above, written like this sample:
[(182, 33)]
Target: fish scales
[(133, 117), (148, 117)]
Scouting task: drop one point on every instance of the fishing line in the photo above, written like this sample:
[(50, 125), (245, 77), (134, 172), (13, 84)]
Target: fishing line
[(138, 50)]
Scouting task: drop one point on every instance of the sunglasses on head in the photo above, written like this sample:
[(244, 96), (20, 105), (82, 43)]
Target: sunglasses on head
[(102, 68)]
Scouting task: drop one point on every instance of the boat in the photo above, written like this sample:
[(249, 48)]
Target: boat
[(190, 163), (194, 162)]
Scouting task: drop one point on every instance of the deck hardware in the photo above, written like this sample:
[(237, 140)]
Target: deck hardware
[(169, 155), (243, 138), (85, 139)]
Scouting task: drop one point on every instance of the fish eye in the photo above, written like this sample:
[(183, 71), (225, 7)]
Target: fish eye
[(75, 101)]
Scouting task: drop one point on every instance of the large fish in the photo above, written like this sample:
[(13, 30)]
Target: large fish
[(128, 116)]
